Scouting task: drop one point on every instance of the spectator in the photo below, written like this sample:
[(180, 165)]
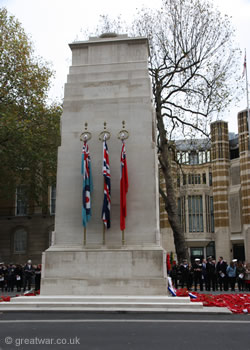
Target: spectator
[(247, 277), (211, 274), (240, 273), (185, 274), (197, 271), (19, 277), (11, 277), (2, 276), (174, 274), (37, 277), (28, 275), (221, 269), (231, 272)]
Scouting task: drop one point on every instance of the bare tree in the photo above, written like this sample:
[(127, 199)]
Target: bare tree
[(192, 64)]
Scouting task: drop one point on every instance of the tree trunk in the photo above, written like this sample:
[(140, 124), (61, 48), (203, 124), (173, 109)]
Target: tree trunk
[(165, 159)]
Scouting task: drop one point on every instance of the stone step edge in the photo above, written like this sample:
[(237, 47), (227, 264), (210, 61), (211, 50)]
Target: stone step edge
[(97, 305), (210, 310), (99, 300)]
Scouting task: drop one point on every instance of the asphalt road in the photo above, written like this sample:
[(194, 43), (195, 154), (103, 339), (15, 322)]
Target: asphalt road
[(120, 331)]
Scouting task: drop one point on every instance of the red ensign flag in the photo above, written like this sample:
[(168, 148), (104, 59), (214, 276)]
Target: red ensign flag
[(123, 188)]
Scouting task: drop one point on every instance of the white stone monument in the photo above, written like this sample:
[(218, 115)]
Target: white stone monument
[(108, 82)]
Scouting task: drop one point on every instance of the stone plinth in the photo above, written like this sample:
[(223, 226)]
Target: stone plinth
[(105, 272), (107, 82)]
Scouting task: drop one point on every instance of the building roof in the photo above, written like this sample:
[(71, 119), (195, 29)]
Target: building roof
[(193, 145)]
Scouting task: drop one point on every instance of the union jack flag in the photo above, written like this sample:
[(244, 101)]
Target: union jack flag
[(107, 186), (87, 184)]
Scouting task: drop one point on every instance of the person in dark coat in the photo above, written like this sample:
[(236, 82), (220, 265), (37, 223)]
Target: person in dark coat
[(11, 277), (28, 271), (185, 274), (37, 277), (174, 274), (221, 269), (19, 277), (197, 270), (2, 276), (211, 274), (240, 276)]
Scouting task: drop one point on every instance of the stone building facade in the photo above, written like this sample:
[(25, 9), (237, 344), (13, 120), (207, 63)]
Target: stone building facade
[(213, 193), (25, 229)]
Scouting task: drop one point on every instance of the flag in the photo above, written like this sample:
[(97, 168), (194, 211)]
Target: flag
[(192, 296), (244, 65), (168, 263), (87, 184), (107, 186), (170, 287), (123, 187)]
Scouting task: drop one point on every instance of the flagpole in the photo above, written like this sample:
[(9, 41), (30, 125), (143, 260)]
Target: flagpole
[(123, 237), (123, 135), (105, 135), (84, 236), (85, 137), (103, 234)]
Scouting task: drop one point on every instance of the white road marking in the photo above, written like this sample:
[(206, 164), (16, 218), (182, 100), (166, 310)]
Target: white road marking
[(122, 321)]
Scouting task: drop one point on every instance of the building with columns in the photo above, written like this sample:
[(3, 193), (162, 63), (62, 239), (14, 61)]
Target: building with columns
[(213, 193)]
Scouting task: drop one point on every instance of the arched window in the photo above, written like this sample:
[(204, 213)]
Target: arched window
[(20, 241)]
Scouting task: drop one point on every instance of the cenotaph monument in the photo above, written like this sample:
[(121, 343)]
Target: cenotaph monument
[(108, 89)]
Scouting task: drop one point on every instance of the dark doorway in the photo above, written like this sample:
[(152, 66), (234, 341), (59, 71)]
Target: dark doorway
[(197, 252), (239, 252)]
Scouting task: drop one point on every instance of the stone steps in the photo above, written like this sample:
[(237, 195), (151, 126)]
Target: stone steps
[(106, 304), (101, 299)]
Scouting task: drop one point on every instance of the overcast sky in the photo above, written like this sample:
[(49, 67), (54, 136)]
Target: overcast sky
[(52, 24)]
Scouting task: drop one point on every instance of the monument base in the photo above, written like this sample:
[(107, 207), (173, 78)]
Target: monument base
[(104, 271)]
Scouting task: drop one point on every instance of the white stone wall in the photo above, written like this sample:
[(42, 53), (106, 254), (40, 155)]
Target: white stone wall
[(108, 82)]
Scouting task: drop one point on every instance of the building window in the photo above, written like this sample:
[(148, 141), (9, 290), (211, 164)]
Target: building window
[(219, 131), (208, 156), (204, 157), (178, 157), (204, 178), (220, 151), (191, 179), (184, 179), (210, 249), (183, 157), (210, 179), (195, 211), (197, 179), (194, 179), (193, 158), (209, 213), (182, 212), (53, 200), (20, 241), (21, 201)]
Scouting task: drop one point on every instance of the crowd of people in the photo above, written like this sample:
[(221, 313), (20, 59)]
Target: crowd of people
[(21, 277), (207, 274)]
